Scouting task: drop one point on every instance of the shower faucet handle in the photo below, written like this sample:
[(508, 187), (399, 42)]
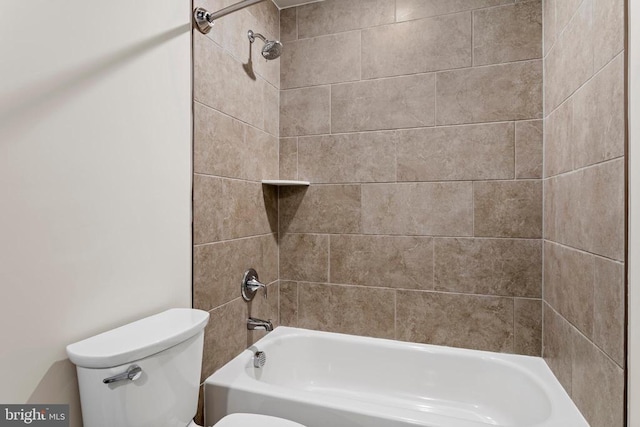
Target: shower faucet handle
[(250, 285)]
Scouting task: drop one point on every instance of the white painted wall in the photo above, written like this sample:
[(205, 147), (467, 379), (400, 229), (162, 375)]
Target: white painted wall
[(633, 403), (95, 178)]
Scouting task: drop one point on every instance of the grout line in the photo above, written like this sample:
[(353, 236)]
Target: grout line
[(473, 210), (515, 152), (329, 258), (202, 104), (452, 182), (446, 70), (513, 326), (473, 56), (428, 291), (297, 27), (255, 236), (583, 168), (330, 116), (401, 129), (360, 57), (582, 335), (229, 178), (435, 99), (395, 12), (395, 314), (425, 236), (586, 82), (297, 157), (297, 304), (582, 251)]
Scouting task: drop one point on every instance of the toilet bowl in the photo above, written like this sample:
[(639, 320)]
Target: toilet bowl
[(148, 373)]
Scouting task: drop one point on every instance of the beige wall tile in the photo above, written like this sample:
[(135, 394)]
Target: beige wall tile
[(249, 209), (429, 44), (589, 209), (288, 158), (493, 93), (599, 116), (225, 87), (548, 24), (558, 348), (565, 10), (321, 60), (568, 285), (559, 144), (288, 303), (225, 336), (436, 209), (383, 261), (271, 110), (508, 33), (219, 144), (456, 153), (609, 306), (335, 16), (394, 103), (305, 111), (608, 26), (570, 62), (262, 155), (414, 9), (354, 157), (304, 257), (208, 202), (227, 209), (346, 309), (288, 24), (503, 267), (550, 208), (528, 327), (508, 209), (597, 385), (218, 268), (477, 322), (529, 138), (320, 209)]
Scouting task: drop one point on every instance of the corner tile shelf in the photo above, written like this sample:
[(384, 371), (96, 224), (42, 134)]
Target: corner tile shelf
[(284, 182)]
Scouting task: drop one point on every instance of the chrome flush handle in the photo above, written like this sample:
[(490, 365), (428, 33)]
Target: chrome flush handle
[(132, 373)]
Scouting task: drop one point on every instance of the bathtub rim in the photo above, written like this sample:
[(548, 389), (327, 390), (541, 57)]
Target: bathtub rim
[(233, 375)]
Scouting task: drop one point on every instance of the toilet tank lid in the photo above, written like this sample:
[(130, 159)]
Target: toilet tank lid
[(139, 339)]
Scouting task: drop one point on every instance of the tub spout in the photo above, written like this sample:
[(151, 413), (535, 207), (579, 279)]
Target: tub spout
[(254, 324)]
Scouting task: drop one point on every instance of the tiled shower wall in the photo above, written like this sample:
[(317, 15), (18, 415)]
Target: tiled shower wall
[(584, 234), (235, 146), (418, 123)]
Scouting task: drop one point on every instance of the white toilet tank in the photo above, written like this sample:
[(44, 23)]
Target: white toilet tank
[(156, 363)]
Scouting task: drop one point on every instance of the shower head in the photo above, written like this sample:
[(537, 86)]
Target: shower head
[(272, 48)]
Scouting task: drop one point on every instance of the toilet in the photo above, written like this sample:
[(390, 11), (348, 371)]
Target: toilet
[(147, 373)]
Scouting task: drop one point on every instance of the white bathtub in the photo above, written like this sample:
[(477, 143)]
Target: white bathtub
[(322, 379)]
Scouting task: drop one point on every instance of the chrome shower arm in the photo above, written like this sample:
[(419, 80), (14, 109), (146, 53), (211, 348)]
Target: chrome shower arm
[(252, 36), (233, 8), (204, 19)]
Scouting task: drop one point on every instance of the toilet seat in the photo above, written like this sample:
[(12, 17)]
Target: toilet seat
[(254, 420)]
